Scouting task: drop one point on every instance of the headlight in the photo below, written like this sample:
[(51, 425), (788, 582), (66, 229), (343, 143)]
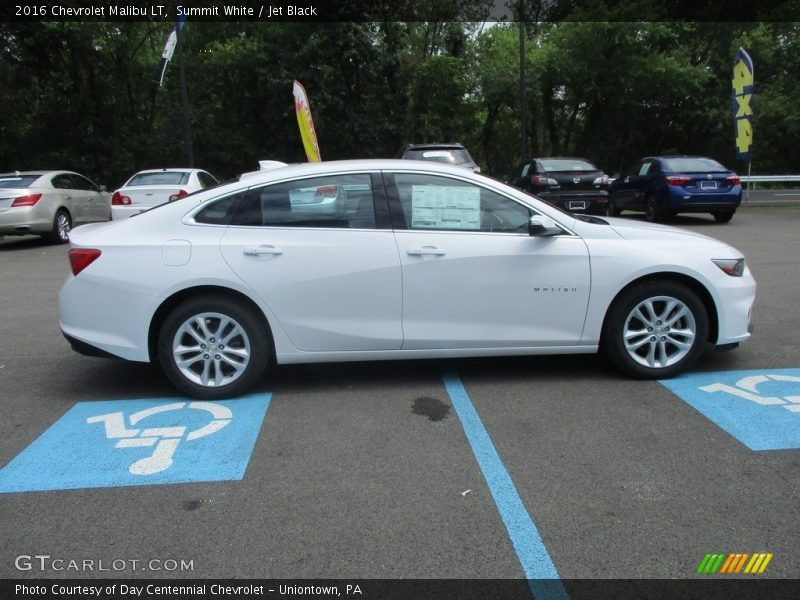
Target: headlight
[(732, 266)]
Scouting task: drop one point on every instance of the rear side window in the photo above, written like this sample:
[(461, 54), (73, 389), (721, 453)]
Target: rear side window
[(205, 179), (338, 201), (222, 211), (160, 178), (63, 182)]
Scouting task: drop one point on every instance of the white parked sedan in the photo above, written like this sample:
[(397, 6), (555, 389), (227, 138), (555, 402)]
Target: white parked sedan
[(412, 260), (147, 189)]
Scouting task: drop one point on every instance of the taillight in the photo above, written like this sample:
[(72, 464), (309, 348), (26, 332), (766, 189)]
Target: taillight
[(30, 200), (734, 180), (80, 258), (119, 200), (678, 179), (178, 196), (541, 180)]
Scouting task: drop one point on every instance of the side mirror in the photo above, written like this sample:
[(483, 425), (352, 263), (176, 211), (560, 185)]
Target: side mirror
[(541, 226), (102, 188)]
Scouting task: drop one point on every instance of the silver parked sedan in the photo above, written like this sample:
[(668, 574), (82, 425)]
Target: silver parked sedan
[(50, 203)]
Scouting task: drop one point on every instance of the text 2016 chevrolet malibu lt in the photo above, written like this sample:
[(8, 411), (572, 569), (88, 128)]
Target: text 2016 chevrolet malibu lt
[(389, 259)]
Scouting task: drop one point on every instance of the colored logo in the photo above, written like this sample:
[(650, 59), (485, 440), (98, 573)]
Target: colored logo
[(735, 563)]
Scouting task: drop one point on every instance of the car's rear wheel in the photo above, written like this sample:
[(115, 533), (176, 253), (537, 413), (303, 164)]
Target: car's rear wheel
[(213, 347), (62, 225), (611, 208), (652, 212), (656, 329), (723, 216)]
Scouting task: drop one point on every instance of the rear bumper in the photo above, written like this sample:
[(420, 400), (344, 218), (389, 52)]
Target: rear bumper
[(86, 349), (26, 220), (682, 201)]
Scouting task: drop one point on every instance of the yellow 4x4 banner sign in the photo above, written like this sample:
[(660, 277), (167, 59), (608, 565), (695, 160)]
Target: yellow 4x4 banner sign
[(742, 108), (303, 110)]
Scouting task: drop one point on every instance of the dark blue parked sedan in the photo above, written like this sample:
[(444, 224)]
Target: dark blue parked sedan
[(667, 185)]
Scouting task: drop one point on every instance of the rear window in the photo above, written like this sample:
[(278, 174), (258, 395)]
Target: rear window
[(163, 178), (14, 181), (450, 156), (566, 165), (693, 165)]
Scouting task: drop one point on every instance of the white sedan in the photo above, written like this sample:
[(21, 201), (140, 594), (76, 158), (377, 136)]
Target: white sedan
[(147, 189), (411, 260)]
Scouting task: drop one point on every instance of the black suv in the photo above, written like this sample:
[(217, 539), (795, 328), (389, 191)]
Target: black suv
[(573, 184), (449, 154)]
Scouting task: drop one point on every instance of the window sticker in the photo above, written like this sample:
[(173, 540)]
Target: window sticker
[(445, 207)]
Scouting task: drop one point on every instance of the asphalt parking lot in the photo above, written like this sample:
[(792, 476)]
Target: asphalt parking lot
[(382, 470)]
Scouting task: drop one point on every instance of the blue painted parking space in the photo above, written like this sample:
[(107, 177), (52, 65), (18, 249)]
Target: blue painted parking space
[(140, 442), (760, 408), (531, 551)]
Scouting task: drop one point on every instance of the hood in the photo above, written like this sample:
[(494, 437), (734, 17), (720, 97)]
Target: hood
[(642, 230)]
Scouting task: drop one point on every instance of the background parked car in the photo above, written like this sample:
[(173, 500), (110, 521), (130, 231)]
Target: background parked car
[(147, 189), (573, 184), (455, 155), (49, 203), (667, 185)]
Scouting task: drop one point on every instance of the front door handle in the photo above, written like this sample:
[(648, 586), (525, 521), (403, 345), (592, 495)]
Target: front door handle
[(426, 251), (264, 250)]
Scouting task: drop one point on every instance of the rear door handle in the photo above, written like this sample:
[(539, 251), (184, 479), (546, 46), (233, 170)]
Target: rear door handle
[(264, 250), (426, 251)]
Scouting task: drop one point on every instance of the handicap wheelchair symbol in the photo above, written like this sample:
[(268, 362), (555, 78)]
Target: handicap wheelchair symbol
[(746, 388), (165, 440)]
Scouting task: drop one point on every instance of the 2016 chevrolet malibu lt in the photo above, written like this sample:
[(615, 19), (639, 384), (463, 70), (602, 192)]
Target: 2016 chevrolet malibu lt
[(392, 259)]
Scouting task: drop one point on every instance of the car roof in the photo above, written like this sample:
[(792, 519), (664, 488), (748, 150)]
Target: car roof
[(301, 170)]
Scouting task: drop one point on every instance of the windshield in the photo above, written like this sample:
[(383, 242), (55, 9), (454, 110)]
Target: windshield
[(17, 181), (693, 165), (566, 164), (160, 178)]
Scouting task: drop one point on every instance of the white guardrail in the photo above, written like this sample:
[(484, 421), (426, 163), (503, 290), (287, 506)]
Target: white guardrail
[(770, 179)]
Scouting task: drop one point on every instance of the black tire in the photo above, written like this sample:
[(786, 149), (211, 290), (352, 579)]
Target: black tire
[(611, 208), (248, 337), (62, 225), (652, 211), (723, 216), (663, 341)]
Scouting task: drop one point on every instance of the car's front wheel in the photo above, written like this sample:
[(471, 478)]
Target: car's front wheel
[(656, 329), (213, 347)]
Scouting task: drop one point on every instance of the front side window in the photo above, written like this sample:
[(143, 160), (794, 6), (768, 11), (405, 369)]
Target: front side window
[(339, 201), (442, 203)]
